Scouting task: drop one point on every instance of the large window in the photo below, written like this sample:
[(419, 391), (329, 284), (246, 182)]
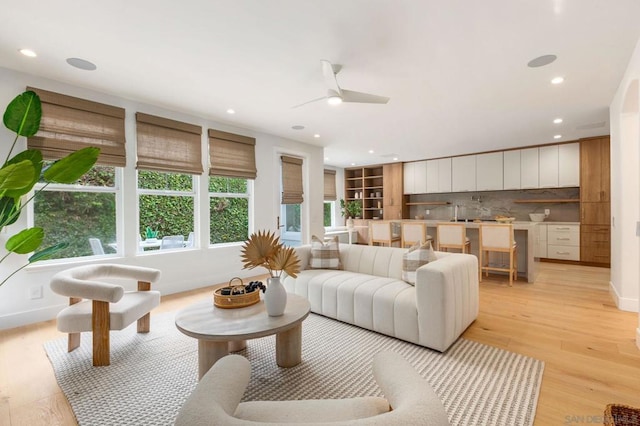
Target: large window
[(79, 214), (329, 216), (166, 206), (229, 207)]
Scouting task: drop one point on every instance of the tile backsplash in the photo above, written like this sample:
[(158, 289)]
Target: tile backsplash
[(478, 205)]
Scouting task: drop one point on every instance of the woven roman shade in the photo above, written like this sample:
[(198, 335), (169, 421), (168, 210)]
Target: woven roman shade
[(330, 193), (232, 155), (291, 180), (167, 145), (69, 124)]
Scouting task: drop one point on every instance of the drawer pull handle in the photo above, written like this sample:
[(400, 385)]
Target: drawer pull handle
[(562, 252), (563, 239), (563, 229)]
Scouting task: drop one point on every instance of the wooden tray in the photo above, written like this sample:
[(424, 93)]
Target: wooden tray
[(235, 300)]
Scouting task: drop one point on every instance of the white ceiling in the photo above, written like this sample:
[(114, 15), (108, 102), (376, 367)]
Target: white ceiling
[(455, 70)]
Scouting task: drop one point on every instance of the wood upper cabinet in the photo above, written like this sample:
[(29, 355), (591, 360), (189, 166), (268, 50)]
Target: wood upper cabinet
[(595, 205), (393, 198), (595, 170)]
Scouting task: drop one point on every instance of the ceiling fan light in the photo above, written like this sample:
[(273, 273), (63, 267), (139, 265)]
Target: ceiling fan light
[(334, 100)]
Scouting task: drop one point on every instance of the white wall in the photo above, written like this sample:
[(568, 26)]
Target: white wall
[(625, 190), (181, 270)]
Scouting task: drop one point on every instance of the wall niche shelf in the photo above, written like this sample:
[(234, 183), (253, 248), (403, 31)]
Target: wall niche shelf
[(559, 200)]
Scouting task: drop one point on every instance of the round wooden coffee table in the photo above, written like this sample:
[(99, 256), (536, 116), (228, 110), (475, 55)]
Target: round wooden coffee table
[(220, 331)]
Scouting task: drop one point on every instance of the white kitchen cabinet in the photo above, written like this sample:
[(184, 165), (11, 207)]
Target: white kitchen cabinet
[(489, 169), (569, 165), (548, 166), (529, 168), (439, 175), (511, 170), (407, 175), (463, 172), (444, 175), (420, 177), (563, 242), (541, 246)]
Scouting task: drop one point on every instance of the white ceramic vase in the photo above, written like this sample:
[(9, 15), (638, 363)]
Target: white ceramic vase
[(350, 223), (275, 298)]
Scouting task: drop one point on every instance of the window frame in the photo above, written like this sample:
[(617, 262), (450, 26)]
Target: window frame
[(116, 189), (168, 193), (249, 195)]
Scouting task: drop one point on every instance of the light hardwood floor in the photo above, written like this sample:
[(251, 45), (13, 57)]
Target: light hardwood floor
[(566, 318)]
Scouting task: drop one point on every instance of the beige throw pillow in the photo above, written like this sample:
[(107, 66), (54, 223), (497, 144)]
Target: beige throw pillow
[(325, 255), (414, 258)]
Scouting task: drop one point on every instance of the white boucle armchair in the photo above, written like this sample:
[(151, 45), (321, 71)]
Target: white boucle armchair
[(108, 306), (409, 400)]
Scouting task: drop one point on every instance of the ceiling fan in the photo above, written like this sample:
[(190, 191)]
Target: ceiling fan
[(336, 95)]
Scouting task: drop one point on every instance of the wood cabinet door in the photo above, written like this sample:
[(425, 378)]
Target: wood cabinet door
[(595, 213), (591, 171), (605, 169)]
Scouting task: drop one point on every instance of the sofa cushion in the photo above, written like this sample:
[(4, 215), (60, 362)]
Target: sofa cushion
[(325, 255), (417, 256)]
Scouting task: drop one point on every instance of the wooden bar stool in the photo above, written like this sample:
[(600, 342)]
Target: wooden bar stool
[(381, 232), (452, 236), (412, 233), (497, 238)]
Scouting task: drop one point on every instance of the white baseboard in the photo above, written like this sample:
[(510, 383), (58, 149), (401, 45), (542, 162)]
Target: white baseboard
[(29, 317), (623, 303)]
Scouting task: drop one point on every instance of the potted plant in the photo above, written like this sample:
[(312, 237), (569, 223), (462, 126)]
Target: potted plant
[(20, 173), (351, 210), (150, 234)]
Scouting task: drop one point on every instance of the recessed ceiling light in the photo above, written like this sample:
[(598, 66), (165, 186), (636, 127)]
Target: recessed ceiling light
[(326, 158), (541, 61), (557, 136), (371, 151), (557, 80), (297, 127), (557, 121), (353, 164), (317, 135), (82, 64), (28, 52), (231, 111), (395, 158)]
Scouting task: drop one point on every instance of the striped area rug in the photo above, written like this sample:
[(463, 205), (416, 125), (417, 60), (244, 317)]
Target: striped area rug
[(151, 375)]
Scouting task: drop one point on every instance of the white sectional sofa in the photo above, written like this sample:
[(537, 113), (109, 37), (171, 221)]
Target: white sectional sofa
[(370, 293)]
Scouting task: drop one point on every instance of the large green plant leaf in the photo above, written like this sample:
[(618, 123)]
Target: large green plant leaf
[(8, 210), (17, 176), (25, 241), (71, 168), (35, 157), (23, 114), (47, 252)]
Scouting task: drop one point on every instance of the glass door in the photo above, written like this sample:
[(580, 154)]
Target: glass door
[(291, 224)]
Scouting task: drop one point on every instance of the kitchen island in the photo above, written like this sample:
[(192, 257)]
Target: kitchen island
[(526, 235)]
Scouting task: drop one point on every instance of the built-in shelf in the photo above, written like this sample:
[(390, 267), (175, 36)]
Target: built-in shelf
[(558, 200), (429, 203)]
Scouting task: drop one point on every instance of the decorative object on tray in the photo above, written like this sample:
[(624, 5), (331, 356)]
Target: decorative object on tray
[(504, 219), (265, 249), (237, 295)]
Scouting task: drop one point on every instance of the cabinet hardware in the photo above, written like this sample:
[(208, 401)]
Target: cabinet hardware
[(563, 239), (562, 252), (562, 229)]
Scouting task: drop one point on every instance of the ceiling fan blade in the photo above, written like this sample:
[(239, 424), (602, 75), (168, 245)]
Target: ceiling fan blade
[(364, 98), (308, 102), (329, 76)]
